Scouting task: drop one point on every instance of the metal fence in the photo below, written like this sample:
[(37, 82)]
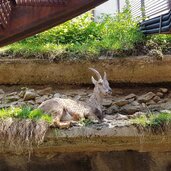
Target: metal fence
[(148, 8)]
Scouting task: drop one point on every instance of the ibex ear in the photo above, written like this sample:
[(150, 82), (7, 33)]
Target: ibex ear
[(105, 76), (93, 80)]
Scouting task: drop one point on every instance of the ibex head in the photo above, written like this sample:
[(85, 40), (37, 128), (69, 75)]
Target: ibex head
[(102, 84)]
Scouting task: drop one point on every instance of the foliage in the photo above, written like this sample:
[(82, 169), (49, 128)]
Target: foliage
[(76, 31), (121, 32), (143, 120), (82, 38), (153, 120), (160, 120), (85, 122), (161, 41), (25, 112), (9, 112), (162, 38)]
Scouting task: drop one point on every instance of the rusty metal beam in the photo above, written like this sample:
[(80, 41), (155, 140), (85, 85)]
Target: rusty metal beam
[(39, 3), (25, 18)]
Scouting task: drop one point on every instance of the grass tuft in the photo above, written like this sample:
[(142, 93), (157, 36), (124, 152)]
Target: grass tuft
[(153, 121), (25, 112)]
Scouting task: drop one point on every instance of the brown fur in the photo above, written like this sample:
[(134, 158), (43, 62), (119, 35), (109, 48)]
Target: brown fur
[(64, 111)]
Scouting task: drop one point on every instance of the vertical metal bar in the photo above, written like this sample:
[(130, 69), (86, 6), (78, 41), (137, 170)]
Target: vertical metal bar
[(118, 6), (169, 4), (143, 8), (160, 24), (93, 14)]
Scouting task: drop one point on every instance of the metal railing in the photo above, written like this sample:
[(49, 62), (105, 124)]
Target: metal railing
[(160, 24), (156, 14), (148, 8), (40, 2)]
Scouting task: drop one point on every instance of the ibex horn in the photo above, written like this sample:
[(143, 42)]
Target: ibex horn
[(96, 72), (105, 76)]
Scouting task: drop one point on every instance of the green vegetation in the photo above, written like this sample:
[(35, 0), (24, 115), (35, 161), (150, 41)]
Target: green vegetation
[(154, 121), (25, 112), (82, 38), (85, 122), (161, 42)]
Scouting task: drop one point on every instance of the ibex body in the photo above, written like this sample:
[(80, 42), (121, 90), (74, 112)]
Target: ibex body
[(64, 111)]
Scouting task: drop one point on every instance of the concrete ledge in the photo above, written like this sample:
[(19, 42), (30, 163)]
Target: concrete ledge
[(140, 70), (108, 149), (107, 139), (87, 139)]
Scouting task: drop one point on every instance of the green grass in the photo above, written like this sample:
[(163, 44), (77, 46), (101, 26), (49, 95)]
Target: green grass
[(153, 120), (25, 112), (81, 38)]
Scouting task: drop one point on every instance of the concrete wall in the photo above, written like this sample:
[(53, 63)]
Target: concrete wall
[(86, 149), (100, 161), (109, 7), (142, 70)]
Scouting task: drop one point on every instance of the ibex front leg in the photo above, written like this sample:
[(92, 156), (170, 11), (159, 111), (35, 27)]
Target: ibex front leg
[(57, 115)]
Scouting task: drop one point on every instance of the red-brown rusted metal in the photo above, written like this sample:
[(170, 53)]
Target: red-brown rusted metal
[(23, 18), (5, 12), (41, 2)]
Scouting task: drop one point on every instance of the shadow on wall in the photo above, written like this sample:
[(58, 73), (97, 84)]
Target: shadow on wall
[(101, 161)]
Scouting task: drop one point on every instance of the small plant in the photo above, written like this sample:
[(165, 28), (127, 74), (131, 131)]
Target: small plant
[(37, 114), (25, 112), (143, 121), (162, 119), (154, 121), (10, 112), (121, 32), (46, 118), (161, 42), (85, 122)]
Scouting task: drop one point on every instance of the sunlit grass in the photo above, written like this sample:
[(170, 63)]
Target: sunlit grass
[(153, 120), (25, 112)]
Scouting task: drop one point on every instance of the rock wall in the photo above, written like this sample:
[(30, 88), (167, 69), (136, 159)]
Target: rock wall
[(87, 149), (91, 149), (142, 70), (98, 161)]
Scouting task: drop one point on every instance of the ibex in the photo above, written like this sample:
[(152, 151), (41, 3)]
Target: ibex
[(64, 111)]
